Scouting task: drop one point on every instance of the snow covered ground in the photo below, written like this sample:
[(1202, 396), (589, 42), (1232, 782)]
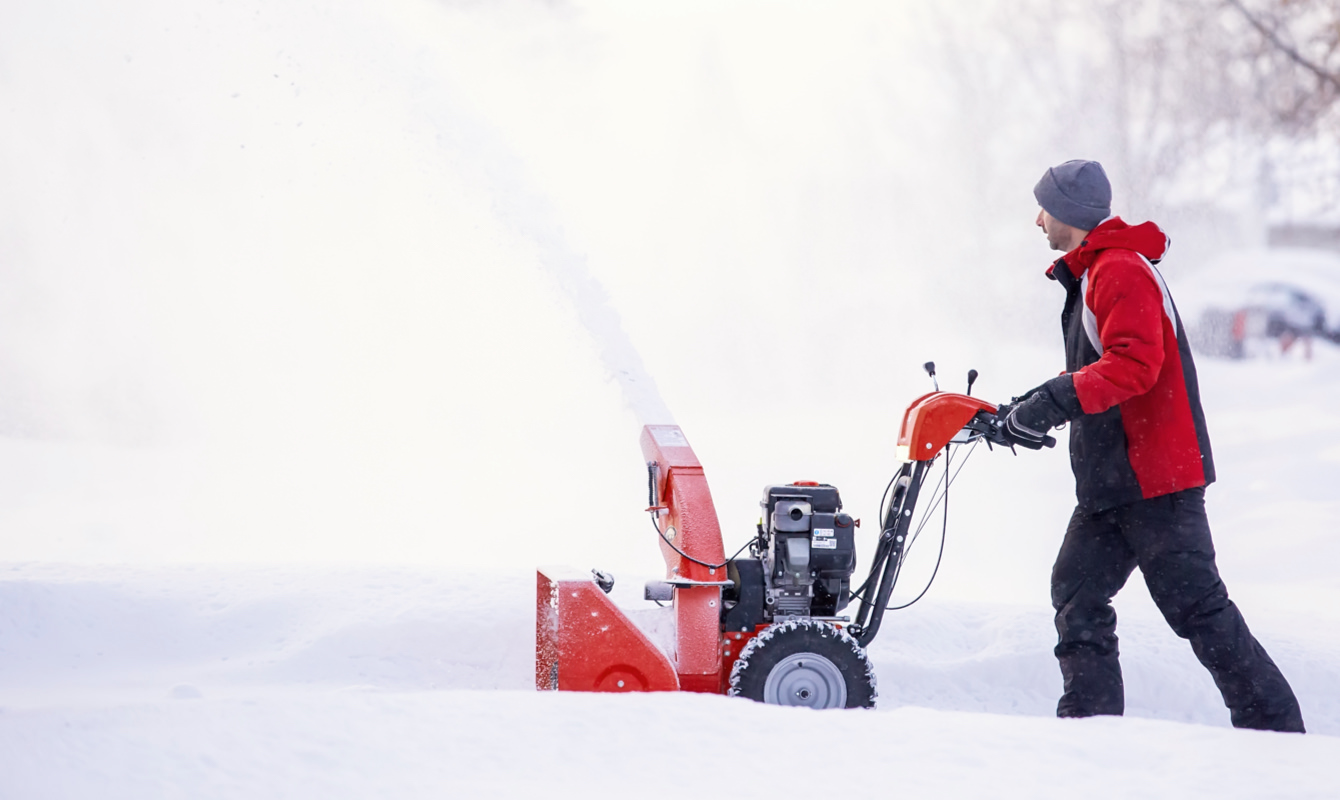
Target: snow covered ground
[(297, 681), (296, 295)]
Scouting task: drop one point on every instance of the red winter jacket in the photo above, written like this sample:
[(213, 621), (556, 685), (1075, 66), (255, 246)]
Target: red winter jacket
[(1138, 430)]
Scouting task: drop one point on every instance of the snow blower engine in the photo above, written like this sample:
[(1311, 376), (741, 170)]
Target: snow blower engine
[(765, 626)]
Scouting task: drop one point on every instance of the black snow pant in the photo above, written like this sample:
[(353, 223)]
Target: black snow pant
[(1169, 539)]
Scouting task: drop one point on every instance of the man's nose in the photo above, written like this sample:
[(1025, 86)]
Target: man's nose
[(1039, 219)]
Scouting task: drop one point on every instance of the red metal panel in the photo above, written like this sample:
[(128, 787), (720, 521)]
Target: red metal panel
[(732, 642), (689, 522), (907, 413), (584, 643), (934, 419)]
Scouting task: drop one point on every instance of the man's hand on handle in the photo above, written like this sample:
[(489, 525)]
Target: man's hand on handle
[(1025, 422)]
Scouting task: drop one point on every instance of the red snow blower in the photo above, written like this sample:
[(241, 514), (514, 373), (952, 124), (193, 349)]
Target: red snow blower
[(765, 626)]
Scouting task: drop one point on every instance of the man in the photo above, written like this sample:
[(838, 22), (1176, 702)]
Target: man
[(1141, 457)]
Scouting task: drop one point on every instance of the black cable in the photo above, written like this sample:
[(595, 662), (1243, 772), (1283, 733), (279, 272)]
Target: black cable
[(691, 558), (944, 531), (651, 501), (935, 501), (859, 592), (885, 497), (936, 493)]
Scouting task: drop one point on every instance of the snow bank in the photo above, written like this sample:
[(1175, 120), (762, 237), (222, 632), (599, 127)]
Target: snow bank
[(488, 744), (329, 683)]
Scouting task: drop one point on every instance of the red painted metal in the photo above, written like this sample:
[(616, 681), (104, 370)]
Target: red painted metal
[(732, 642), (583, 643), (933, 419), (690, 524)]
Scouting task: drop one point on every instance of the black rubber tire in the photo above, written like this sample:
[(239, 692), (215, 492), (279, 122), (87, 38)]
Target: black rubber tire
[(785, 643)]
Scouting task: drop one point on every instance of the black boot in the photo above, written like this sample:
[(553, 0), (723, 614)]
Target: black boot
[(1092, 682)]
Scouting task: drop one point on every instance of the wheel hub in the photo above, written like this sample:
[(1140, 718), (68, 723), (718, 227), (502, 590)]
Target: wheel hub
[(806, 679)]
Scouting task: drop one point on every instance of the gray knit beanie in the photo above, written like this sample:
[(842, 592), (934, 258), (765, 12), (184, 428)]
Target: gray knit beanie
[(1077, 193)]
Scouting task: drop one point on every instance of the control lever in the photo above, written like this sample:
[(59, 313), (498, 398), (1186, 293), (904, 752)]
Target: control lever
[(603, 579)]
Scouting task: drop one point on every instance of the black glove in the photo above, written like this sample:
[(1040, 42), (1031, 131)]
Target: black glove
[(1026, 421)]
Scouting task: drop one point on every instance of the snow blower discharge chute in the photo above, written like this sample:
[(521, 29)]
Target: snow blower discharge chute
[(766, 626)]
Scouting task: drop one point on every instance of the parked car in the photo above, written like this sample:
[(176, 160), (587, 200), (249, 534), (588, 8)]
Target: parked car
[(1264, 303)]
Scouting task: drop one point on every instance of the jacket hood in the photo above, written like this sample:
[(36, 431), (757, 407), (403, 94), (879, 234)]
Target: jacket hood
[(1147, 239)]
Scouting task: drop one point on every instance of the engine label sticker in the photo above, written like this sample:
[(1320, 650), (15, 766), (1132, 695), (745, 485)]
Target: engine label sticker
[(823, 539)]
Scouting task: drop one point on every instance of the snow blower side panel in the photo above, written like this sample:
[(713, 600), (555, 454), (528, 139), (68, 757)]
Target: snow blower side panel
[(687, 519), (583, 643)]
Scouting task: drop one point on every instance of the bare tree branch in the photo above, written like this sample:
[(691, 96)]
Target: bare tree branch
[(1284, 47)]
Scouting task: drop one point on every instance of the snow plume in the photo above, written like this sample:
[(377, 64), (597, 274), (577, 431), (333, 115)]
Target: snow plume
[(534, 218), (621, 359), (521, 206)]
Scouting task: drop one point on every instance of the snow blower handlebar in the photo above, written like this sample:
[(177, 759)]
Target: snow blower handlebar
[(930, 424), (888, 552), (938, 419)]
